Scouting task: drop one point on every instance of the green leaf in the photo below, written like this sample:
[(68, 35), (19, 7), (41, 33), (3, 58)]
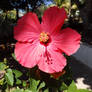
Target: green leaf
[(21, 90), (18, 90), (46, 90), (2, 66), (2, 81), (27, 90), (9, 77), (18, 81), (17, 73), (65, 91), (24, 83), (83, 90), (41, 85), (13, 55), (72, 87), (5, 61), (33, 84), (63, 87)]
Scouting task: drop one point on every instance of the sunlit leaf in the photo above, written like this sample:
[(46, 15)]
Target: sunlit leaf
[(72, 87), (83, 90), (2, 81), (9, 77), (41, 85), (27, 90), (2, 66), (24, 83), (18, 81), (17, 73), (33, 84), (18, 90), (46, 90)]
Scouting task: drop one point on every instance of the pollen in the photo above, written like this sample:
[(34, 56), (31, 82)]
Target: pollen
[(44, 37)]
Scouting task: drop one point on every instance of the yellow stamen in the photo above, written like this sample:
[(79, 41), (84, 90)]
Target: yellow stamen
[(44, 37)]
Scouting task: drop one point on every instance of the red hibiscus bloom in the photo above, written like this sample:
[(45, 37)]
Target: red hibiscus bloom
[(43, 44)]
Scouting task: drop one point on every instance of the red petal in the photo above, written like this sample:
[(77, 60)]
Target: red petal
[(28, 54), (28, 28), (53, 19), (68, 41), (52, 61)]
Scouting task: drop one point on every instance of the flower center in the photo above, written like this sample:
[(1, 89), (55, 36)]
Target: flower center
[(44, 37)]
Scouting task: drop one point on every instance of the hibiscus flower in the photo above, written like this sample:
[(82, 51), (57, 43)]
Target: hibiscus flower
[(43, 44)]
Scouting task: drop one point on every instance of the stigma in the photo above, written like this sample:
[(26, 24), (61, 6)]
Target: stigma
[(44, 37)]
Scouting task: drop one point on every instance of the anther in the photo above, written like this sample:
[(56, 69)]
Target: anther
[(44, 37)]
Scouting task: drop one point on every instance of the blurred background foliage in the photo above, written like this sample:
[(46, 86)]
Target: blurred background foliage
[(11, 73), (79, 14)]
